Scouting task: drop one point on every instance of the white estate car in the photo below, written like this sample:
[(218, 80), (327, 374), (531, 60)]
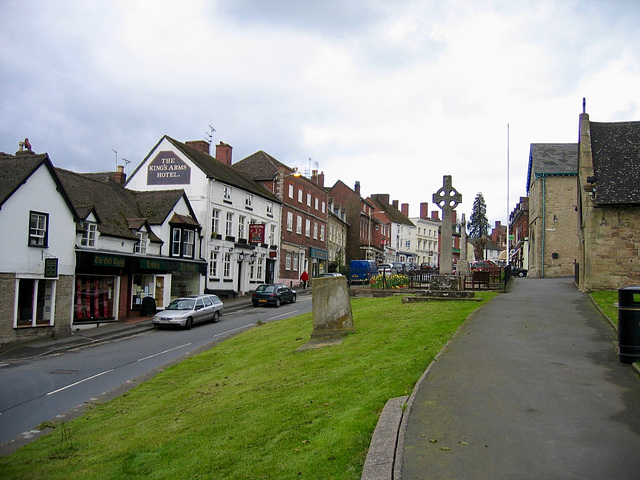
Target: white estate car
[(185, 311)]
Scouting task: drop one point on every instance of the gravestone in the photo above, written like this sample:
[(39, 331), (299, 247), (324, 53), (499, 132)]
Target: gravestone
[(332, 317), (447, 198), (331, 307)]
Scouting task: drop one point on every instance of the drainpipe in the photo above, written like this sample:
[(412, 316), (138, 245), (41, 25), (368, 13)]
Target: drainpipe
[(544, 223)]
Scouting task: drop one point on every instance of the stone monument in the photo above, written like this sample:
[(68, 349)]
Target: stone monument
[(447, 198), (463, 264), (332, 317)]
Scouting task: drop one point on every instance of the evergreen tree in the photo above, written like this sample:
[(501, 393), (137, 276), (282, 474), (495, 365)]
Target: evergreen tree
[(478, 223)]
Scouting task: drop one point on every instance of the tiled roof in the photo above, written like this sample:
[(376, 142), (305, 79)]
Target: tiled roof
[(156, 205), (15, 170), (221, 171), (616, 161), (552, 159), (260, 166)]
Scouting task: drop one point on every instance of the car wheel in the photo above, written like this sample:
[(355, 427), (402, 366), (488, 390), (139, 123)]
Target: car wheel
[(277, 302), (255, 305), (293, 299), (216, 317), (189, 323)]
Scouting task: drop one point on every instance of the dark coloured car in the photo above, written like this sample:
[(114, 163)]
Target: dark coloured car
[(518, 272), (273, 294), (483, 265)]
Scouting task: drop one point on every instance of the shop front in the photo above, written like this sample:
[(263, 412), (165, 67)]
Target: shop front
[(112, 287), (319, 260)]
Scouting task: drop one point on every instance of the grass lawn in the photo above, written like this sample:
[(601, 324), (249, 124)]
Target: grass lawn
[(253, 407), (607, 300)]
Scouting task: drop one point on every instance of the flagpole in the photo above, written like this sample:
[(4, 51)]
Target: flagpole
[(508, 220)]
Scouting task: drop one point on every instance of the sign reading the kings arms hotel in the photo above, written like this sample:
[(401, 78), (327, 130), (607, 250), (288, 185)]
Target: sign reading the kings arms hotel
[(168, 169)]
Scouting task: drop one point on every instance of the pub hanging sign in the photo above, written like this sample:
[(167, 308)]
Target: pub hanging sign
[(256, 233)]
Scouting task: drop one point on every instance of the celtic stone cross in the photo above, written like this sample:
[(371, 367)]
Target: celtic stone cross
[(447, 198)]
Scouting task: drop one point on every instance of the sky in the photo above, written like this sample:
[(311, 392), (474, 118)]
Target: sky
[(393, 94)]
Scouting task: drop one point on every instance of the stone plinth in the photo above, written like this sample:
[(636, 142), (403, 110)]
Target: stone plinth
[(446, 282)]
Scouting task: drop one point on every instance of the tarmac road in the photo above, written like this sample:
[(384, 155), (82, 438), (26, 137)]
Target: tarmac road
[(530, 388)]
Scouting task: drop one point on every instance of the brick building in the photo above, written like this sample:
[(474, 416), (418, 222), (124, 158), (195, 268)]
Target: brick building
[(519, 228)]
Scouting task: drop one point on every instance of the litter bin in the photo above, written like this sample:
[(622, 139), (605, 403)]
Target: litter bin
[(629, 324)]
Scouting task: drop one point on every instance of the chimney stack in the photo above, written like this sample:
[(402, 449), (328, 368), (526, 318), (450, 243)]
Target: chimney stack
[(356, 188), (120, 176), (405, 209), (424, 210), (223, 153), (434, 215), (395, 204), (200, 145), (381, 197)]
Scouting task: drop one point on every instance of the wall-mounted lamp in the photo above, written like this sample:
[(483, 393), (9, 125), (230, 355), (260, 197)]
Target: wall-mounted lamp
[(230, 249), (252, 258), (241, 256), (555, 218), (217, 247)]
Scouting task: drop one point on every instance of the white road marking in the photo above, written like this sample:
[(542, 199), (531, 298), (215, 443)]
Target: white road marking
[(79, 382), (164, 351)]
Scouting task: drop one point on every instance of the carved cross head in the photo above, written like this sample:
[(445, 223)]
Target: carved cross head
[(447, 197)]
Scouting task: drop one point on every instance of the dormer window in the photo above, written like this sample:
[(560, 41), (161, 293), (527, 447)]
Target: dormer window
[(141, 246), (89, 234)]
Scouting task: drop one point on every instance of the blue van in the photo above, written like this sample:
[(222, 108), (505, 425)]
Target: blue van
[(361, 271)]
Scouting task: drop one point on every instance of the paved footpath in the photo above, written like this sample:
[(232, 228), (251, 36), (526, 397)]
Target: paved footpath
[(530, 388)]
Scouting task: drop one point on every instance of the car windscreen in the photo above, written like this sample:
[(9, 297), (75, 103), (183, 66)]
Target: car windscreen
[(181, 304), (265, 288)]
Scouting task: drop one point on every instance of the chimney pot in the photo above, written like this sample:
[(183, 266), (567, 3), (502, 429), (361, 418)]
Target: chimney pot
[(356, 188)]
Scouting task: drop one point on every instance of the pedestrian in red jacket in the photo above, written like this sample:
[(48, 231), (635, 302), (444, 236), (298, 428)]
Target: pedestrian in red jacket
[(304, 278)]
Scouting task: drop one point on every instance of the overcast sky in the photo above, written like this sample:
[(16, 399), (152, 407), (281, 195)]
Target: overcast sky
[(393, 93)]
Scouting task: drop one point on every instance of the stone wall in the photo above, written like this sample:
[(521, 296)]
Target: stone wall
[(612, 240), (555, 233)]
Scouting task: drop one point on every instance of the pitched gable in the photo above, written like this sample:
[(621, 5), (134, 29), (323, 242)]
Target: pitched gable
[(552, 159)]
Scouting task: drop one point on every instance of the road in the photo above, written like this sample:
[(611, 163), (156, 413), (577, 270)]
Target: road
[(38, 390)]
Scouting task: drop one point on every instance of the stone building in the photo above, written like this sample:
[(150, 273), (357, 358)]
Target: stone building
[(609, 204), (401, 247), (553, 226)]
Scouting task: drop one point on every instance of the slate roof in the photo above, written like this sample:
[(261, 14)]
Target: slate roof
[(552, 159), (212, 168), (156, 205), (616, 160), (260, 166), (15, 170)]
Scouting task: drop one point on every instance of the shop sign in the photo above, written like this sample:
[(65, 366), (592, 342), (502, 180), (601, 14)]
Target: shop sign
[(318, 253), (50, 268), (256, 232), (168, 169), (149, 264), (187, 267), (108, 261)]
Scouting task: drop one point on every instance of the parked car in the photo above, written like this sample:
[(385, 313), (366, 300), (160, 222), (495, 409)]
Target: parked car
[(482, 265), (187, 311), (332, 274), (386, 269), (273, 294), (518, 272), (428, 266)]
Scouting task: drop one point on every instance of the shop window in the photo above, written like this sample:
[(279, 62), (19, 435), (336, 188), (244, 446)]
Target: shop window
[(143, 286), (35, 302), (89, 235), (95, 297), (287, 261), (38, 229), (183, 284)]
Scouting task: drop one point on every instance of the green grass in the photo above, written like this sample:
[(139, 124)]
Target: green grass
[(253, 407), (607, 300)]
